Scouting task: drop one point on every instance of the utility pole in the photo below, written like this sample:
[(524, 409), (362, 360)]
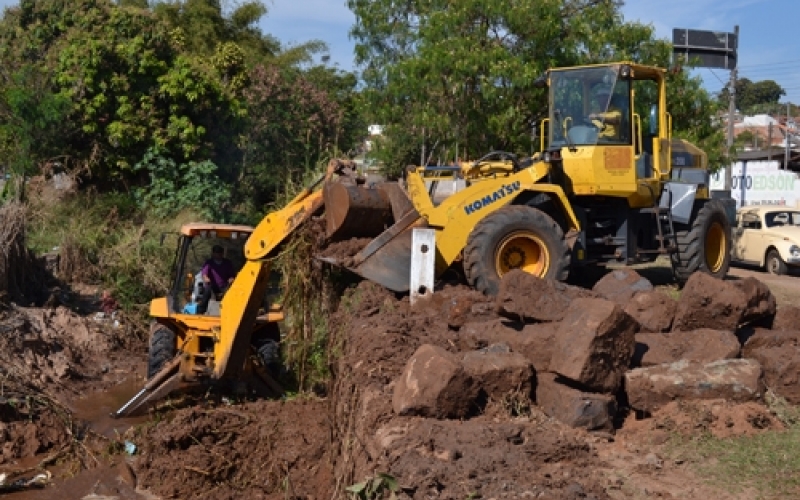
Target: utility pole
[(731, 114), (786, 138), (769, 140)]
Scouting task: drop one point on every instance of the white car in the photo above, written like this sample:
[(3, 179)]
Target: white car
[(767, 236)]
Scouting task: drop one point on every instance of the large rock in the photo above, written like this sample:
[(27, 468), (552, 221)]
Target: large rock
[(573, 407), (524, 297), (434, 384), (653, 310), (737, 380), (534, 341), (620, 285), (778, 352), (594, 344), (787, 318), (708, 302), (703, 346), (761, 304), (499, 372)]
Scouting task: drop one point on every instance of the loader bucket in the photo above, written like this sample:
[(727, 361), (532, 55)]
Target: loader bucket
[(381, 211), (386, 260)]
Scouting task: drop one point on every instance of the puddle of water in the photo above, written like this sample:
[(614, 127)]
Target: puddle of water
[(96, 408)]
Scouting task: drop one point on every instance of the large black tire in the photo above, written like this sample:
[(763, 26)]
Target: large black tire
[(515, 237), (163, 347), (774, 263), (705, 245)]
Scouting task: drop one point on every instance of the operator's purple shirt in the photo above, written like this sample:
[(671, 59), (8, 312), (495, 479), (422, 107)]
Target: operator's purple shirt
[(218, 273)]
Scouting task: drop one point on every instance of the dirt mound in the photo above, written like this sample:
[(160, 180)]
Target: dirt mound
[(257, 450), (719, 418), (48, 359)]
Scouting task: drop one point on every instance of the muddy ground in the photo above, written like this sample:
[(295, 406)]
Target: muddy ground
[(64, 372)]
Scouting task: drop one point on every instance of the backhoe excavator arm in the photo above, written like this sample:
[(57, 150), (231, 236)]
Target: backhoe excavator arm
[(241, 303)]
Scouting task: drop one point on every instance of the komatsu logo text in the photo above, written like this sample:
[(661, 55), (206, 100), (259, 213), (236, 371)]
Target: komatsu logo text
[(505, 190)]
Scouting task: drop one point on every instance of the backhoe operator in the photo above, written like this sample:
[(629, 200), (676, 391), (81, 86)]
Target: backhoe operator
[(218, 274)]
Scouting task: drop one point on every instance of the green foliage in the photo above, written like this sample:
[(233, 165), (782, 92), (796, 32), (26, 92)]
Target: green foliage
[(460, 76), (375, 488), (31, 122), (292, 125), (176, 187)]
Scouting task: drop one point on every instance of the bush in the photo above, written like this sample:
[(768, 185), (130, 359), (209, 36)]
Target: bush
[(177, 187)]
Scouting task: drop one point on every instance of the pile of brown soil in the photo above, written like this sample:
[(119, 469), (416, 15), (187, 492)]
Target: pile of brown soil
[(50, 358), (265, 449)]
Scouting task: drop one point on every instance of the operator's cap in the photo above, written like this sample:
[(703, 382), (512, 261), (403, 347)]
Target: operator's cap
[(217, 249)]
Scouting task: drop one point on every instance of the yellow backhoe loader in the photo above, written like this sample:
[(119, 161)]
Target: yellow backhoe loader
[(611, 185)]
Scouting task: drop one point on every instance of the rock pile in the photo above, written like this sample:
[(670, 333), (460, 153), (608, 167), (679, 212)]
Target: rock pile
[(580, 354)]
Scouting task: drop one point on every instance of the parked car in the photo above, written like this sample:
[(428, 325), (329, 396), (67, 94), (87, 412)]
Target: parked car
[(767, 236)]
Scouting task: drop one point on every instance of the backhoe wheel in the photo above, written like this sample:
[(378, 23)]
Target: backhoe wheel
[(515, 237), (774, 263), (705, 245), (268, 347), (163, 347)]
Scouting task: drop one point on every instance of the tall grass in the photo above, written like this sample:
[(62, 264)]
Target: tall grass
[(104, 240), (311, 292)]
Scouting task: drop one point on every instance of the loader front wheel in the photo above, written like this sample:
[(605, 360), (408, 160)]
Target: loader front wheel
[(705, 245), (163, 347), (515, 237)]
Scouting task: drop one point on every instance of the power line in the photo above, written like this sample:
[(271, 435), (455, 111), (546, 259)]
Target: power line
[(769, 64)]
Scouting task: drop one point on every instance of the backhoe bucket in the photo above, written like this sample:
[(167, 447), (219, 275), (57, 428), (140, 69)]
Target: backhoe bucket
[(354, 211)]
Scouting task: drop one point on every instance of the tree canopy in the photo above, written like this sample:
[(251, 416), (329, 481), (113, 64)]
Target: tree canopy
[(754, 97), (105, 86), (460, 75)]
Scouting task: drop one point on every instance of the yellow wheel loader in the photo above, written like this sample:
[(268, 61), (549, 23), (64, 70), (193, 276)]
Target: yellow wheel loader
[(611, 185)]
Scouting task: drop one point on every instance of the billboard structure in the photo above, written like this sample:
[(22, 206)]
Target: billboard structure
[(760, 182), (714, 49)]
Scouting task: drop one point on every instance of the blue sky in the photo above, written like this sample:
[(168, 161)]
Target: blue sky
[(769, 48)]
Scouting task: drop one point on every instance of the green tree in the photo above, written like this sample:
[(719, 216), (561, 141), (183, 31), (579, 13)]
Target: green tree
[(460, 75), (754, 97), (129, 86), (292, 124)]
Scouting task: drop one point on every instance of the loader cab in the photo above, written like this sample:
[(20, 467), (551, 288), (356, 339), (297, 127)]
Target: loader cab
[(194, 247), (611, 127)]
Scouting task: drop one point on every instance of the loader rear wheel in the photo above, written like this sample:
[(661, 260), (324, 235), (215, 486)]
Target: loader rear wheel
[(163, 347), (705, 245), (515, 237)]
